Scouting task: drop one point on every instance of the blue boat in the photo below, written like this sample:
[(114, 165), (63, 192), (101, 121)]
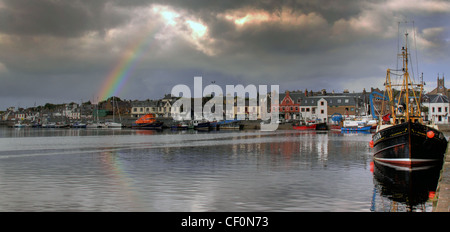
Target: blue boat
[(351, 129)]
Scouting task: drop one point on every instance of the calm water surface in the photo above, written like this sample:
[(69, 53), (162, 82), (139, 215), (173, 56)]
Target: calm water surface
[(132, 170)]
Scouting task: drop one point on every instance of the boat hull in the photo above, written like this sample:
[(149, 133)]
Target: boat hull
[(349, 129), (149, 126), (203, 126), (322, 126), (409, 145), (306, 127)]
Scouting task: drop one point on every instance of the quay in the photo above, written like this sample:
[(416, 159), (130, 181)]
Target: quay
[(442, 202)]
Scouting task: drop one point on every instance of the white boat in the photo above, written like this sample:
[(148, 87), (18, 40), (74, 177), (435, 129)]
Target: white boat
[(113, 125), (95, 125), (19, 125), (49, 125)]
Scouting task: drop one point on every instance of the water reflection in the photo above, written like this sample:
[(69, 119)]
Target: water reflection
[(134, 170), (404, 190)]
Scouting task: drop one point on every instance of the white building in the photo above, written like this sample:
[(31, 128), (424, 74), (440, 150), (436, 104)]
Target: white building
[(314, 108), (438, 108)]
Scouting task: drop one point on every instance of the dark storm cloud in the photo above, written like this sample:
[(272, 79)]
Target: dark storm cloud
[(57, 18), (66, 48)]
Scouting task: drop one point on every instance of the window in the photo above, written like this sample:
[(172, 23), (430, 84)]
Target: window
[(321, 111), (338, 100), (307, 109), (303, 109), (346, 100), (134, 109), (432, 109), (446, 109), (439, 110), (141, 109), (322, 103)]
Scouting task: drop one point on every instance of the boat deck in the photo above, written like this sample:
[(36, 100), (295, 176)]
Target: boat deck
[(443, 190)]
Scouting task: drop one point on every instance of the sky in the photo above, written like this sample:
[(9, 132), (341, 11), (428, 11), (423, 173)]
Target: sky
[(60, 51)]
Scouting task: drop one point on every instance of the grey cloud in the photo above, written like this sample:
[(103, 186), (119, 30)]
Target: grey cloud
[(57, 18), (66, 49)]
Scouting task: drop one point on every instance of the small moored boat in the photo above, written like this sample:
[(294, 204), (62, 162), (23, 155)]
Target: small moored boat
[(147, 121)]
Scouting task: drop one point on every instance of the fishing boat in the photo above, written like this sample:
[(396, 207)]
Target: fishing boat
[(230, 125), (147, 121), (180, 126), (201, 124), (402, 139), (62, 125), (322, 126), (334, 127), (76, 125), (356, 129), (355, 126), (304, 127)]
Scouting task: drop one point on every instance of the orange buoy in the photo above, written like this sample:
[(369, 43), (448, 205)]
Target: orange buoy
[(431, 195), (430, 134), (371, 143)]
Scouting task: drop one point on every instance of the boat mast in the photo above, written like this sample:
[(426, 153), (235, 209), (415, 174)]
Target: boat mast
[(409, 112), (406, 77), (413, 110)]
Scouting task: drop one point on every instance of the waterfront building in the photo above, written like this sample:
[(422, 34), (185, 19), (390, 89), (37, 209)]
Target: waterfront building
[(244, 111), (320, 106), (437, 102), (140, 108), (165, 106), (438, 108), (288, 108)]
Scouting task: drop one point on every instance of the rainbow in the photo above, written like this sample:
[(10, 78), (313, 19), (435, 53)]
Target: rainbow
[(121, 72)]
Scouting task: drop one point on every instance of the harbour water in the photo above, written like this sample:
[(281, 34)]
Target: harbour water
[(140, 170)]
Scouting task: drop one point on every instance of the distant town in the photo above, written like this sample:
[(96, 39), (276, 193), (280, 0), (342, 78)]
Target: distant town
[(295, 105)]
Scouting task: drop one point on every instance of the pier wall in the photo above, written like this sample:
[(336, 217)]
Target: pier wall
[(442, 203)]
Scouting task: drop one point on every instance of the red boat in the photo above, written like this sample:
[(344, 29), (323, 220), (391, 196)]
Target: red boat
[(305, 127)]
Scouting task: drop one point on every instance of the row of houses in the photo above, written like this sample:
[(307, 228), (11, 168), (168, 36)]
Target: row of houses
[(293, 105), (68, 111), (321, 106), (163, 107)]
